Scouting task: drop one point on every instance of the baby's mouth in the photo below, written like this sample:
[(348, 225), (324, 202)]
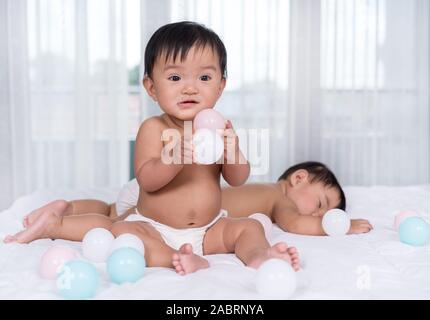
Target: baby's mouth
[(188, 103)]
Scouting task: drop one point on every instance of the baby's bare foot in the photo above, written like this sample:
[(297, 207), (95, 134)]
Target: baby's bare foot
[(59, 207), (295, 260), (277, 251), (185, 261), (39, 229)]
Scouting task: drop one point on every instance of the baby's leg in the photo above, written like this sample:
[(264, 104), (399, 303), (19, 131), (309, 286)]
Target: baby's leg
[(75, 207), (59, 207), (90, 206), (245, 237), (157, 252), (49, 225)]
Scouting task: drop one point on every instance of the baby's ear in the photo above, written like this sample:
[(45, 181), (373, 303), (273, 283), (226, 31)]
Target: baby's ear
[(299, 176), (222, 86), (149, 87)]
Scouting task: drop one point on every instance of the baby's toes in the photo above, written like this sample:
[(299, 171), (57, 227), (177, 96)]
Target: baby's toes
[(295, 259), (180, 270), (175, 257), (294, 256), (175, 262), (296, 265), (9, 239), (292, 250)]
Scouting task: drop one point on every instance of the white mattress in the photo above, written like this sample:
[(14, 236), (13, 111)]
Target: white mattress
[(368, 266)]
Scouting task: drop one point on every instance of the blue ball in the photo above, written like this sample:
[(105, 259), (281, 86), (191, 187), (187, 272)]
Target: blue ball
[(78, 280), (414, 231), (126, 265)]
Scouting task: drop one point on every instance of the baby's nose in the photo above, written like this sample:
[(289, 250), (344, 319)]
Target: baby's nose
[(190, 88)]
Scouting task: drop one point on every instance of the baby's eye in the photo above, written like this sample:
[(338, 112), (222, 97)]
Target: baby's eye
[(205, 78), (174, 78)]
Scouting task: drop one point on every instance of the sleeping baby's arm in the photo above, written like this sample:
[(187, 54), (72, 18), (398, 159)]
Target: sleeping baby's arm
[(300, 224), (311, 225)]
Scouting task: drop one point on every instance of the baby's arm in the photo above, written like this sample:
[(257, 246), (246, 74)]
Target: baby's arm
[(150, 171), (235, 169), (300, 224), (311, 225)]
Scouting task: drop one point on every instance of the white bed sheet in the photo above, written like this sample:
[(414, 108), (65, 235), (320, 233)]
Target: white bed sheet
[(368, 266)]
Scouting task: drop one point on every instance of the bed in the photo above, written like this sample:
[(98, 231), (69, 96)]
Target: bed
[(367, 266)]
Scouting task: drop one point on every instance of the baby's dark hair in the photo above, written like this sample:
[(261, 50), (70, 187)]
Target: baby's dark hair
[(178, 38), (318, 172)]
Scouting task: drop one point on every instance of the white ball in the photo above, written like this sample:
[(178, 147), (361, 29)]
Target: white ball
[(336, 222), (208, 146), (96, 244), (128, 240), (276, 279)]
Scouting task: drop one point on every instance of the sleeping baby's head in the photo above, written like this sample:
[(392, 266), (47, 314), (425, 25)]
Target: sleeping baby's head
[(313, 188)]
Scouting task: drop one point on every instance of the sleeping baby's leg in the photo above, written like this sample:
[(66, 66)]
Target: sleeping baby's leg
[(245, 237), (49, 225), (75, 207)]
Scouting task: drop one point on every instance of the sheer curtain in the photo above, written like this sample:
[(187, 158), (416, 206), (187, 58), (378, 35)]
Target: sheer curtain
[(375, 84), (66, 97), (342, 82)]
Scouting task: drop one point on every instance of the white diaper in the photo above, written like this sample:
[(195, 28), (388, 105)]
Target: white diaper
[(177, 237), (127, 197)]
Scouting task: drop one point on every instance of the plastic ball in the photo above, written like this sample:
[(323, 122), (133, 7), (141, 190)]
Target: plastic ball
[(265, 221), (208, 146), (276, 279), (336, 222), (414, 231), (401, 216), (78, 280), (96, 244), (128, 240), (53, 259), (208, 119), (125, 265)]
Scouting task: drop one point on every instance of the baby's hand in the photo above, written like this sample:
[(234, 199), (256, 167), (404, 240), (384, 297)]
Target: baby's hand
[(231, 144), (359, 226)]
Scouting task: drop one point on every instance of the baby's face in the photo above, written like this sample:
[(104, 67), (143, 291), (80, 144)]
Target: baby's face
[(314, 198), (183, 88)]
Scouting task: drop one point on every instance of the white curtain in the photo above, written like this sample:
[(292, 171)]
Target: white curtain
[(342, 82), (375, 90), (66, 98)]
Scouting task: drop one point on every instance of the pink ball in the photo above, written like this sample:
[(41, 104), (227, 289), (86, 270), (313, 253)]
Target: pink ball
[(53, 259), (265, 221), (401, 216), (209, 119)]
